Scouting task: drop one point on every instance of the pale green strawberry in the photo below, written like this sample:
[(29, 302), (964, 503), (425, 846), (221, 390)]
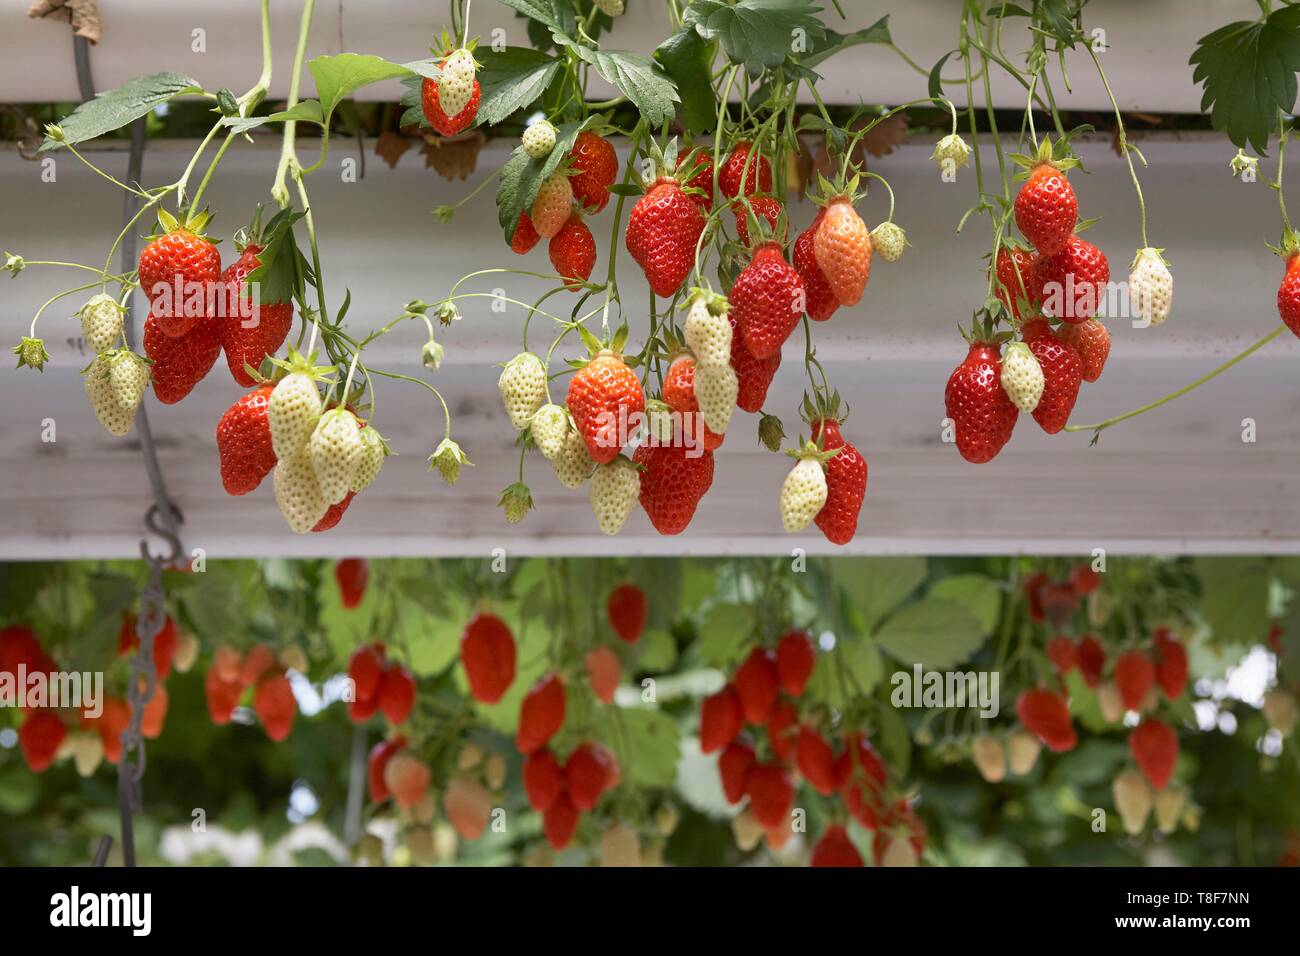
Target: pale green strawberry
[(804, 491), (549, 426), (708, 330), (297, 492), (517, 501), (539, 139), (128, 374), (553, 205), (292, 412), (523, 388), (952, 148), (1022, 377), (99, 389), (448, 458), (336, 451), (660, 420), (456, 82), (889, 240), (376, 449), (573, 464), (615, 487), (101, 322), (612, 8), (716, 388)]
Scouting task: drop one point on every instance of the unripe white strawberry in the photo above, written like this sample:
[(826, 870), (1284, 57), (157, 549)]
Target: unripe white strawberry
[(128, 374), (549, 427), (619, 845), (951, 149), (666, 819), (1022, 377), (990, 758), (539, 139), (1169, 804), (99, 389), (708, 331), (456, 82), (469, 757), (336, 451), (615, 487), (660, 420), (292, 412), (187, 652), (746, 829), (297, 493), (1132, 799), (899, 852), (889, 240), (553, 205), (573, 464), (1280, 711), (87, 751), (372, 459), (468, 806), (1111, 704), (1022, 752), (716, 390), (101, 322), (523, 388), (803, 493), (1150, 287), (495, 770), (612, 8)]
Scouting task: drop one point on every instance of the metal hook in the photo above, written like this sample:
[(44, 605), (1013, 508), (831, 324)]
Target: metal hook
[(165, 529)]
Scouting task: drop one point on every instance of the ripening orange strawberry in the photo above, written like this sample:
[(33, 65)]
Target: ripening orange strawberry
[(843, 249)]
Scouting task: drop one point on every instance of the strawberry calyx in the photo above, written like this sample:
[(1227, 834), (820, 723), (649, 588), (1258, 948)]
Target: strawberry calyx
[(843, 188), (1287, 248), (809, 449), (716, 303), (1058, 156), (296, 362), (189, 221), (821, 407), (596, 348)]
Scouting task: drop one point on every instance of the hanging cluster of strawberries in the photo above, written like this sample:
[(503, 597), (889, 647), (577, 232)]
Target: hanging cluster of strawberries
[(762, 734)]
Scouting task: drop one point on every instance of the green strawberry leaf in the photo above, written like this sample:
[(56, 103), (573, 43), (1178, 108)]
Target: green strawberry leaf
[(522, 176), (511, 80), (935, 633), (283, 271), (1234, 599), (834, 42), (118, 107), (756, 33), (339, 75), (646, 743), (878, 585), (546, 12), (637, 77), (1248, 70), (980, 595), (685, 57), (308, 111)]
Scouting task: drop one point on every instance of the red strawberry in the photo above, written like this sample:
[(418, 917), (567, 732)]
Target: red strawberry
[(603, 672), (115, 719), (396, 693), (815, 760), (249, 338), (1288, 294), (560, 821), (1092, 658), (179, 363), (679, 394), (244, 442), (1062, 375), (1171, 664), (900, 822), (352, 575), (720, 719), (673, 482), (1084, 580), (1134, 676), (767, 301), (861, 776), (765, 209), (573, 252), (174, 270), (164, 646), (223, 696), (702, 163), (40, 735), (20, 646), (1154, 746), (363, 708), (366, 669), (525, 235), (1073, 282), (846, 484), (380, 754), (543, 779), (757, 684), (627, 612), (820, 301), (1091, 340), (836, 849), (795, 658), (1016, 282), (274, 703), (1033, 586), (782, 725), (1047, 716), (662, 231), (977, 404), (1046, 209), (771, 794), (447, 125), (1275, 632), (734, 765), (757, 177), (604, 395), (588, 773), (256, 663), (1063, 654), (596, 166), (754, 374), (334, 514), (541, 714), (487, 652)]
